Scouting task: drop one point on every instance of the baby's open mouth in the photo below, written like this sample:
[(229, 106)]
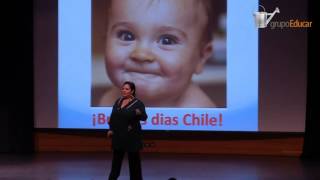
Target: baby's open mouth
[(142, 74)]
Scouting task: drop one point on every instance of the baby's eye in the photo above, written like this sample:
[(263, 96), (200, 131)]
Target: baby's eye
[(125, 36), (168, 40)]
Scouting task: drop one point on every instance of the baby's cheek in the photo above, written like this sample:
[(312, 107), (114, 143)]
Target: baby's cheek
[(114, 57), (178, 78), (112, 63), (173, 71), (114, 69), (177, 64)]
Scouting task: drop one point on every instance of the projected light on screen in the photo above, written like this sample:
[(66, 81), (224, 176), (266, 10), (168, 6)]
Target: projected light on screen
[(188, 60)]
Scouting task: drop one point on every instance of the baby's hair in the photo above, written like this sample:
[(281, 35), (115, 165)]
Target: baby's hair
[(212, 9)]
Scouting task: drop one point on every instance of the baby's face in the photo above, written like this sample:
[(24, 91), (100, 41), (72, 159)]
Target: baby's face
[(155, 44)]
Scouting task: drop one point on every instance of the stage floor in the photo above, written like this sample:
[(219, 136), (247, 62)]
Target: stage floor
[(96, 166)]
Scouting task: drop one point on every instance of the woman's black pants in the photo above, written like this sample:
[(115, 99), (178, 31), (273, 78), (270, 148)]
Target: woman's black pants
[(134, 165)]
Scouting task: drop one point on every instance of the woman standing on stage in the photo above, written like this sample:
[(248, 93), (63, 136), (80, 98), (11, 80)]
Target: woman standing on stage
[(125, 131)]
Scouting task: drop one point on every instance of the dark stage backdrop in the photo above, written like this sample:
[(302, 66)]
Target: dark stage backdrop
[(16, 114), (311, 147), (17, 105)]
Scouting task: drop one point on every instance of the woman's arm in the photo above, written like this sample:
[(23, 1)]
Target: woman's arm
[(111, 119), (141, 112)]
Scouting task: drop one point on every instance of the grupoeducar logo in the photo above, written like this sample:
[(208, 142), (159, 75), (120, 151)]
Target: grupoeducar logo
[(261, 17)]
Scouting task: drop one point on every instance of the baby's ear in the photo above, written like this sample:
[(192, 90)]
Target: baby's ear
[(205, 53)]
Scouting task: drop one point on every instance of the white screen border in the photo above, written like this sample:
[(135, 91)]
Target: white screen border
[(74, 74)]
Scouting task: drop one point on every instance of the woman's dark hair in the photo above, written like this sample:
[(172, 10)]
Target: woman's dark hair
[(132, 87)]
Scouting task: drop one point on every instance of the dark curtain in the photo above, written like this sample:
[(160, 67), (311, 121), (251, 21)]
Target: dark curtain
[(311, 147), (16, 127)]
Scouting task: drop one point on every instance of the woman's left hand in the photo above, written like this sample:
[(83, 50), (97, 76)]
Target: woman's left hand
[(138, 112)]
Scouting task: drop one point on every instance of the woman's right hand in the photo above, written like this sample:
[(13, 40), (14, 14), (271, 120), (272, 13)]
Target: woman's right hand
[(109, 134)]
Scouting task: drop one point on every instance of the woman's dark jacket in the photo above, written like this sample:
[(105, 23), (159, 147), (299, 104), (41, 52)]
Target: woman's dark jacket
[(125, 124)]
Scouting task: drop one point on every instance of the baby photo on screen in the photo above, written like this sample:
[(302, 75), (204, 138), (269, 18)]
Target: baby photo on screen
[(173, 50)]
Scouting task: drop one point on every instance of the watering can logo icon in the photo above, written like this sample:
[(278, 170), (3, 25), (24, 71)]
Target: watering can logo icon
[(262, 19)]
